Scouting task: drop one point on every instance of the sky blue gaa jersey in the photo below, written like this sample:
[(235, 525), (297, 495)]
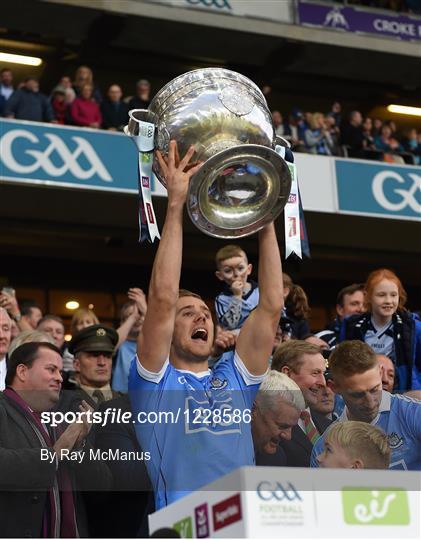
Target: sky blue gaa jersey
[(209, 434), (232, 312), (400, 417)]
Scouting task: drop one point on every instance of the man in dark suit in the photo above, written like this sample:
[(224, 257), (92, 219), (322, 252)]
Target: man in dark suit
[(38, 479), (114, 110), (93, 349), (305, 365), (276, 411)]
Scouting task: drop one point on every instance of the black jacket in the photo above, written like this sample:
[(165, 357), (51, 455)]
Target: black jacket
[(297, 451), (27, 105), (25, 479), (114, 115), (407, 342)]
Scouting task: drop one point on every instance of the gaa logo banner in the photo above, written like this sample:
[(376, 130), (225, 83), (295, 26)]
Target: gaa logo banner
[(45, 153), (363, 506), (378, 189), (216, 4)]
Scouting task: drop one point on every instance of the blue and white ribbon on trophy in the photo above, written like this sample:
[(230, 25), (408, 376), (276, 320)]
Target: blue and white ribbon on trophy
[(144, 141), (295, 230)]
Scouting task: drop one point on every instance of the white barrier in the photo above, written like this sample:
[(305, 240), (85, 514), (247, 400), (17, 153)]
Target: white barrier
[(272, 502)]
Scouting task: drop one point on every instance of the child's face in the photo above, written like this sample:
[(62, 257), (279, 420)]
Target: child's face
[(385, 298), (334, 456), (234, 269), (84, 322)]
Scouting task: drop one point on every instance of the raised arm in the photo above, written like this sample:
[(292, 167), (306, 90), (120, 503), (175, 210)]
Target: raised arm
[(138, 315), (255, 342), (155, 338)]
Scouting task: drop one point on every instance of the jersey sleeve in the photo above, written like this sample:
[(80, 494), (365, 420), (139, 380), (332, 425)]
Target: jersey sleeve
[(150, 376), (410, 409), (248, 378), (146, 388)]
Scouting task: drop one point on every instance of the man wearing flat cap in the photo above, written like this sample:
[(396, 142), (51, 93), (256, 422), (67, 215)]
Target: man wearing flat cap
[(93, 349)]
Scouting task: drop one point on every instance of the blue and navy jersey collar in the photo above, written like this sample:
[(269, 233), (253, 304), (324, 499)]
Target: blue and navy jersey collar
[(385, 406), (388, 331)]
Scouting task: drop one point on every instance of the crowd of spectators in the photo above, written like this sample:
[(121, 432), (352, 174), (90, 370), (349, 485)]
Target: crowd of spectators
[(351, 135), (78, 102), (81, 103), (407, 6)]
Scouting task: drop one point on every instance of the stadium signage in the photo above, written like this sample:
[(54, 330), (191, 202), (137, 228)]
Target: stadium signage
[(257, 9), (68, 160), (52, 155), (281, 504), (184, 527), (226, 512), (375, 506), (202, 521), (70, 157), (219, 4), (268, 491), (353, 19), (377, 189)]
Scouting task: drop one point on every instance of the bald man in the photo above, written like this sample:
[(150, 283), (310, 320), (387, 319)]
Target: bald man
[(387, 371), (5, 336)]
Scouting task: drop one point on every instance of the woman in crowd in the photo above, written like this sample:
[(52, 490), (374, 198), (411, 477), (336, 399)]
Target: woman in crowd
[(377, 127), (368, 133), (294, 317), (386, 142), (82, 318), (389, 328), (66, 83), (317, 138), (84, 76), (59, 105), (85, 110), (28, 336)]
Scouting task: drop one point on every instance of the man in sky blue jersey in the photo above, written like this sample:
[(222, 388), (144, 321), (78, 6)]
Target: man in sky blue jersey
[(210, 434), (356, 375)]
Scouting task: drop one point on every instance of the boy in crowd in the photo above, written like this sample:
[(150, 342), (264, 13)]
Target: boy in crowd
[(355, 445), (239, 296)]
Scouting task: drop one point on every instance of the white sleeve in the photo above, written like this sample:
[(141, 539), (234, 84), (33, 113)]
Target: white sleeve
[(149, 375), (247, 377)]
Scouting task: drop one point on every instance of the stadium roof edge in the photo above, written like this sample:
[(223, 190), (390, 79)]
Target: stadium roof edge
[(260, 26)]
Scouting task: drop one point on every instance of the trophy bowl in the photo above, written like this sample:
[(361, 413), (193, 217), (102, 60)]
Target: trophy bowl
[(243, 183)]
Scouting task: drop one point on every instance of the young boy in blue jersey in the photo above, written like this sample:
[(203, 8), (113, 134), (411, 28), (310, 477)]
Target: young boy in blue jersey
[(210, 432), (355, 445), (234, 304), (356, 376)]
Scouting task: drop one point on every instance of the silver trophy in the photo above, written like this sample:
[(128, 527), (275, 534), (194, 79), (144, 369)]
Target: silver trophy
[(243, 183)]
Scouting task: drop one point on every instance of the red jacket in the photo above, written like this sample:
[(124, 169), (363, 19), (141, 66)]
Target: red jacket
[(85, 112)]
